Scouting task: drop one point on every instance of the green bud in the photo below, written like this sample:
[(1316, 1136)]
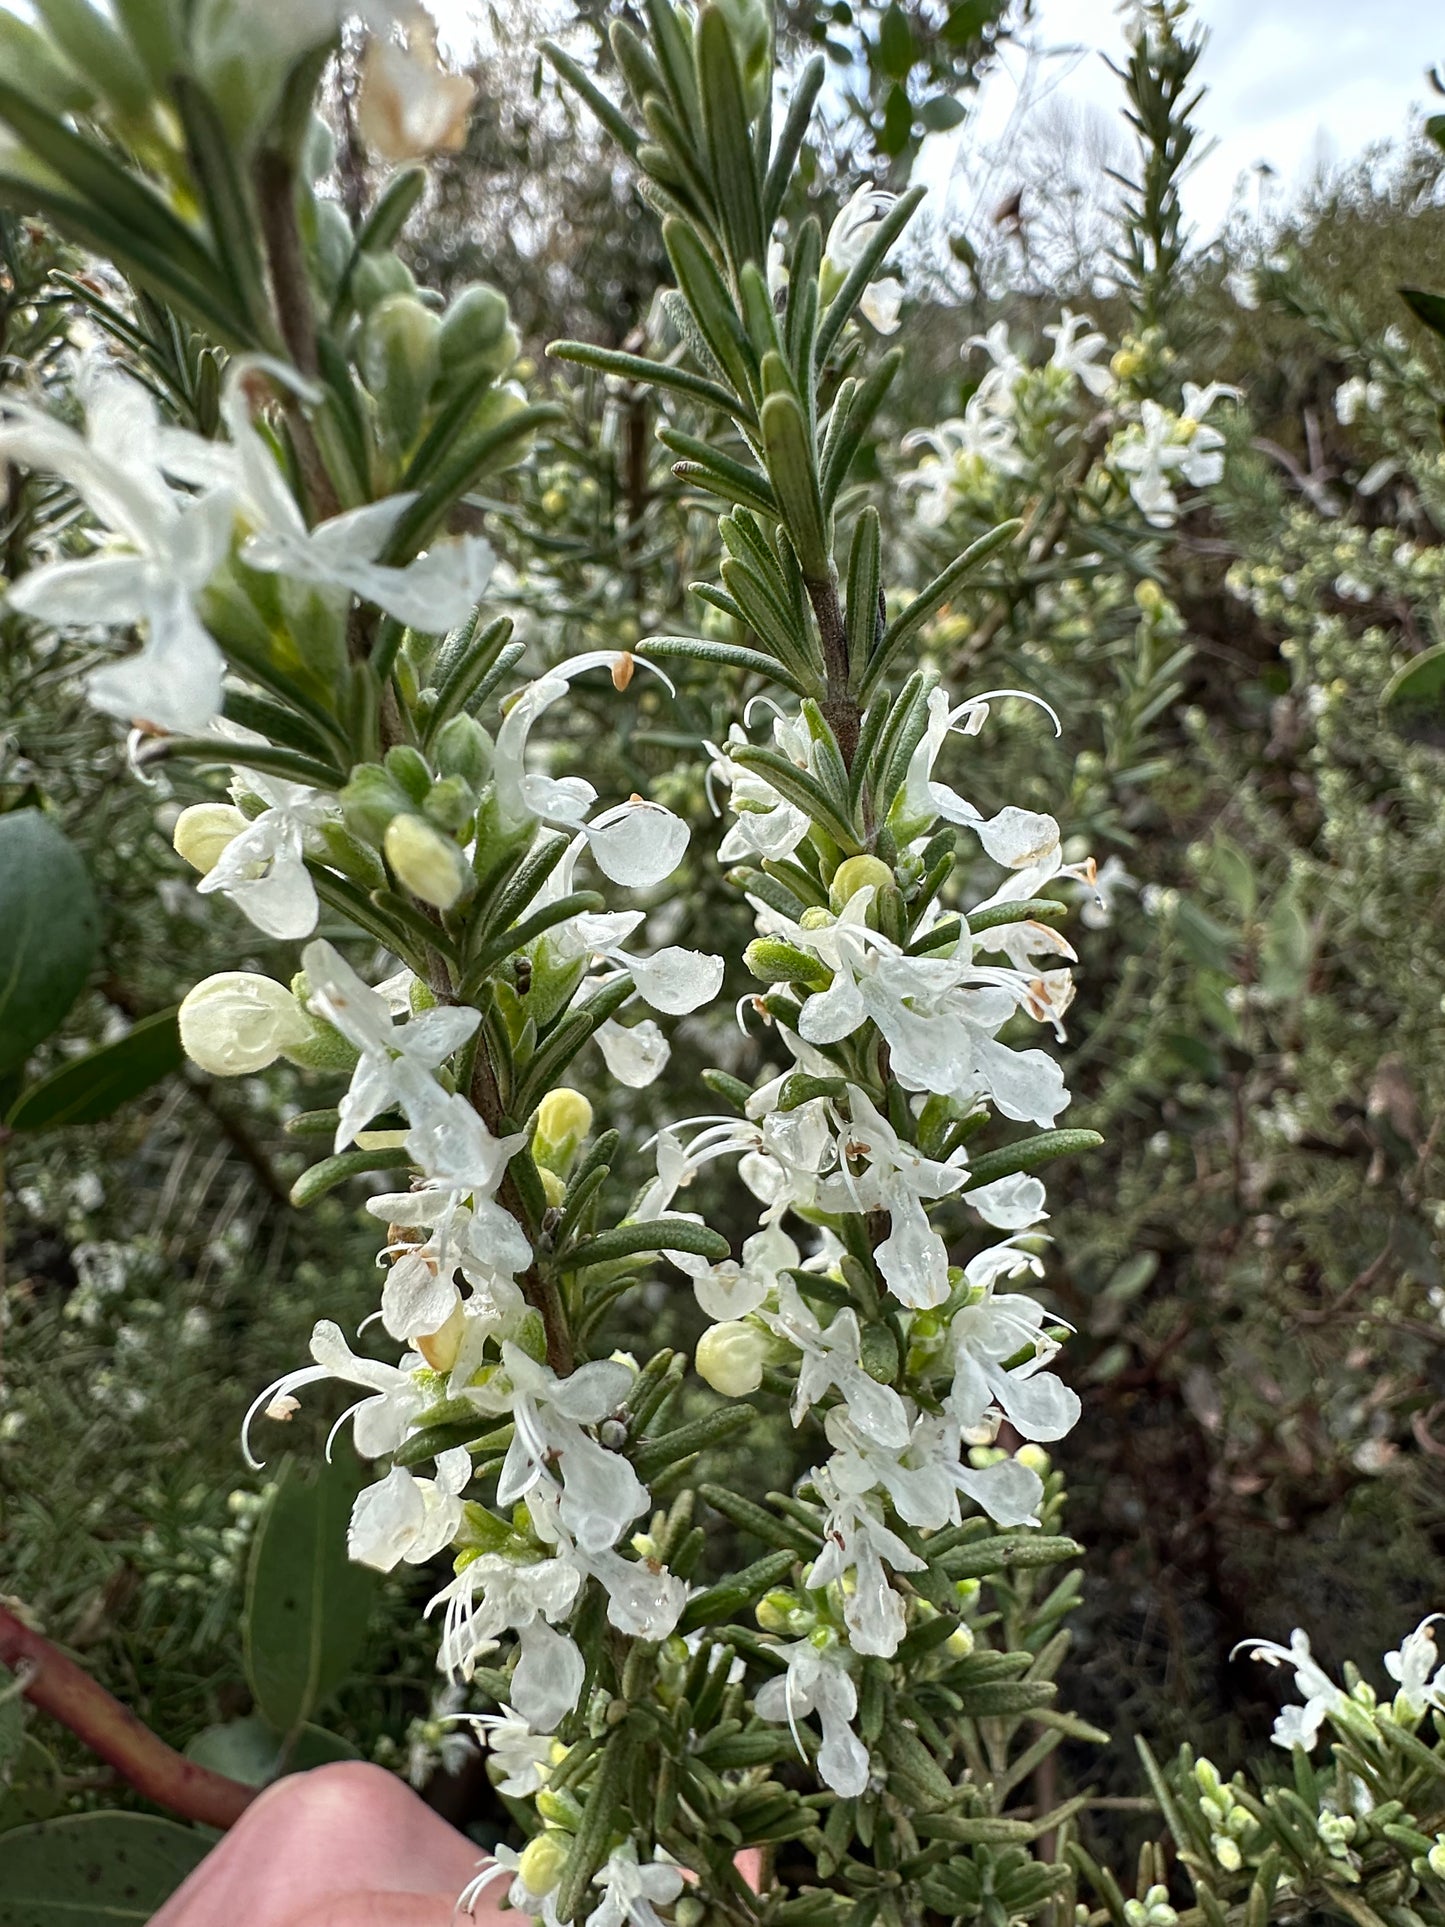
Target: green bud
[(878, 1350), (397, 355), (776, 962), (451, 804), (352, 856), (476, 338), (378, 275), (425, 862), (333, 245), (463, 748), (531, 1336), (554, 979), (407, 767), (370, 800), (562, 1809)]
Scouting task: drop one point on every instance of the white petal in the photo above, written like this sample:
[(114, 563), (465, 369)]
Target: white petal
[(1017, 837), (677, 981), (635, 1056), (637, 844), (1010, 1204), (549, 1676), (386, 1519)]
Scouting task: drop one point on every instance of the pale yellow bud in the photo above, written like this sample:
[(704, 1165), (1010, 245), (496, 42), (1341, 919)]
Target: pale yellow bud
[(237, 1022), (554, 1189), (540, 1864), (730, 1357), (856, 874), (564, 1117), (425, 862), (440, 1348), (203, 832)]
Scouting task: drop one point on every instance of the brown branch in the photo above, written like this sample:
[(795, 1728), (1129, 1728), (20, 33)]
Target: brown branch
[(63, 1690)]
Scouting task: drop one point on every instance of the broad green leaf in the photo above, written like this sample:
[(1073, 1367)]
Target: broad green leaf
[(29, 1786), (1426, 307), (941, 113), (896, 52), (252, 1751), (248, 1750), (12, 1720), (897, 121), (94, 1869), (49, 929), (1414, 699), (95, 1086), (966, 21), (306, 1603)]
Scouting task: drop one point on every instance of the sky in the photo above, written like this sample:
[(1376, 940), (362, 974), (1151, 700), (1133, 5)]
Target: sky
[(1290, 82)]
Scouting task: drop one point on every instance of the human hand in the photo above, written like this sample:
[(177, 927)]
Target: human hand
[(342, 1846)]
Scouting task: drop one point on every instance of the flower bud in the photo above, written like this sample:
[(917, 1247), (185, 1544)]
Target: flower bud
[(854, 874), (554, 1189), (376, 276), (564, 1117), (203, 832), (425, 862), (239, 1022), (1435, 1859), (477, 337), (463, 748), (397, 355), (440, 1348), (407, 768), (451, 804), (371, 798), (730, 1357), (540, 1864), (782, 1611), (562, 1809)]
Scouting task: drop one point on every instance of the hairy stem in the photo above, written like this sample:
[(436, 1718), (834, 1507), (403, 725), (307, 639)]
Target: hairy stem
[(838, 704), (61, 1688)]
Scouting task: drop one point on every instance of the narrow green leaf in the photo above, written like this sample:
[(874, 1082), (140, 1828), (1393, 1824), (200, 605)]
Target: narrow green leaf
[(1029, 1154), (657, 374), (733, 655), (607, 111), (932, 597), (226, 200), (864, 575), (652, 1234), (863, 271), (325, 1176), (725, 129), (724, 1602), (791, 468), (790, 138), (711, 306)]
